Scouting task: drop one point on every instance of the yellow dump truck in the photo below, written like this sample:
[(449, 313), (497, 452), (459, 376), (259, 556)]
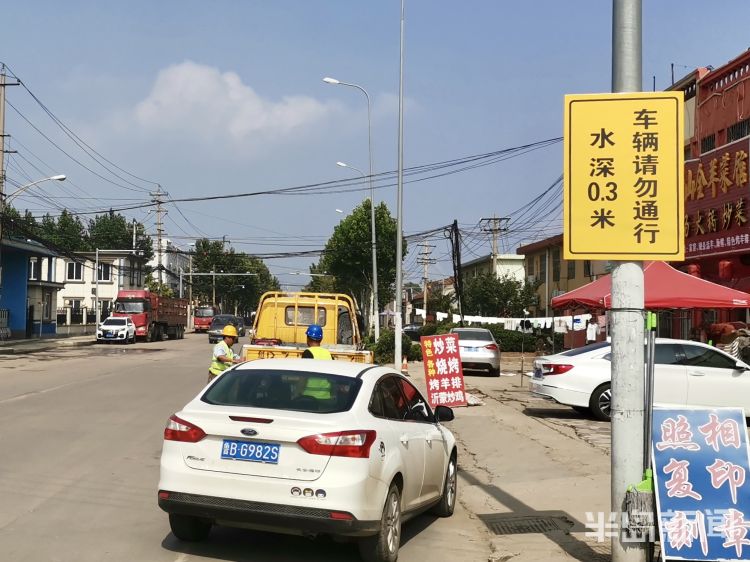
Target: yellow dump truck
[(282, 320)]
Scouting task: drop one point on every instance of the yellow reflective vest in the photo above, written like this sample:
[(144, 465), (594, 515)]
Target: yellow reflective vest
[(218, 366)]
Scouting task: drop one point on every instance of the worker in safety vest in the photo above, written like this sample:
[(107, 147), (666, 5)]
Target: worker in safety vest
[(314, 337), (224, 357), (316, 387)]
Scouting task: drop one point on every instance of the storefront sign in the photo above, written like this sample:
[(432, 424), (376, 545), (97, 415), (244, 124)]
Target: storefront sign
[(442, 370), (716, 202), (701, 467), (623, 176)]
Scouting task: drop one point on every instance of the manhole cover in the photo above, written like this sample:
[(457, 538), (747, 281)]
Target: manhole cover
[(521, 524)]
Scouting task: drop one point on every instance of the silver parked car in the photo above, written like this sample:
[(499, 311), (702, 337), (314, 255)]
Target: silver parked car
[(478, 350)]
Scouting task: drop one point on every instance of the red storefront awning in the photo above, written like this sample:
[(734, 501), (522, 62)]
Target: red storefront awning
[(665, 287)]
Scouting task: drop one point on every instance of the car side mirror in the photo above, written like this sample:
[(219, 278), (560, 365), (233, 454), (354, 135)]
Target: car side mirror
[(444, 414)]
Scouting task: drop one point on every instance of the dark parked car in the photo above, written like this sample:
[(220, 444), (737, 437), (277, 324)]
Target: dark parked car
[(414, 331), (218, 323)]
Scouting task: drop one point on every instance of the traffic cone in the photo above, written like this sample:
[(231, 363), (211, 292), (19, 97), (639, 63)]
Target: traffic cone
[(404, 367)]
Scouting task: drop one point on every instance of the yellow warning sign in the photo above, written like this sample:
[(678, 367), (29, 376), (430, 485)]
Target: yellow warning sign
[(623, 188)]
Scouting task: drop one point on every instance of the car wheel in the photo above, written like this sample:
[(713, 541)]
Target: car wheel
[(383, 547), (494, 372), (189, 528), (601, 402), (450, 487)]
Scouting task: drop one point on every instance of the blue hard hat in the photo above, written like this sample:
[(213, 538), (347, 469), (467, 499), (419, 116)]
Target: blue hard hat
[(314, 332)]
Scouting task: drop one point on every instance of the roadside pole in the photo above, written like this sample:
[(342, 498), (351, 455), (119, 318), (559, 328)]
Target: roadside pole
[(627, 309)]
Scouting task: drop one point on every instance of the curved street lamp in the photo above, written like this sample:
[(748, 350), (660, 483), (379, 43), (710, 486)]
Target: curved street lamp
[(5, 200), (17, 192), (333, 81)]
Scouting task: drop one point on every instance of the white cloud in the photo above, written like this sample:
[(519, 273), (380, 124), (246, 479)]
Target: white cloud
[(195, 99)]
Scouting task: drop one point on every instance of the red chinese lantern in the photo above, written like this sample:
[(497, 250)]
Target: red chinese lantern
[(694, 269)]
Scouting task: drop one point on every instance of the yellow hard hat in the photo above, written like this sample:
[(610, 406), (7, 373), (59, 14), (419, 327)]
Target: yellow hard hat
[(229, 330)]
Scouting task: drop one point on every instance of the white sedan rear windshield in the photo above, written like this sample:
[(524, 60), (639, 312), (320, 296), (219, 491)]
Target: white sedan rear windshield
[(481, 335), (115, 322), (296, 391)]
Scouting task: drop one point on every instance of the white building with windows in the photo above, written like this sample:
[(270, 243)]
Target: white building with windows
[(502, 265), (116, 272), (173, 260)]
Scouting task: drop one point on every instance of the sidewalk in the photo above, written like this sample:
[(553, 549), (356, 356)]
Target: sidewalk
[(34, 345), (527, 484)]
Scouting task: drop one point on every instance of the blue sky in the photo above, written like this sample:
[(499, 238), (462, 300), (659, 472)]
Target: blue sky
[(226, 96)]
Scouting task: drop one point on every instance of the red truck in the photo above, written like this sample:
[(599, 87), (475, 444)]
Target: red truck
[(203, 315), (154, 316)]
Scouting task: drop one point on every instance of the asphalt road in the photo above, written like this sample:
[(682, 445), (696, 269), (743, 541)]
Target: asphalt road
[(80, 439)]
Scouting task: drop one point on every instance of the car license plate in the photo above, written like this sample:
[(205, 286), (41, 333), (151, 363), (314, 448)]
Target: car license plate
[(109, 335), (538, 374), (250, 451)]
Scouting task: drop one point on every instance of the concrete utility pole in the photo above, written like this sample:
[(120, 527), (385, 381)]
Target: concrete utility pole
[(627, 309), (3, 85), (495, 225), (398, 320), (425, 260), (158, 198)]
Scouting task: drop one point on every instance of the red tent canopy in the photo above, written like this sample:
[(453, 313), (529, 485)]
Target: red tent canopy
[(665, 287)]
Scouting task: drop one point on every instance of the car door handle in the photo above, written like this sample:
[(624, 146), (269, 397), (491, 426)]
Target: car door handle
[(696, 374)]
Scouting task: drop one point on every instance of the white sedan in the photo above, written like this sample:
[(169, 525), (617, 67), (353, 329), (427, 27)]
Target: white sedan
[(685, 373), (116, 329), (308, 446)]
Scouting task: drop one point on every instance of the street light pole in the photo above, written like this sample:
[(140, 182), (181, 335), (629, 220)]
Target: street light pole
[(400, 199), (373, 231)]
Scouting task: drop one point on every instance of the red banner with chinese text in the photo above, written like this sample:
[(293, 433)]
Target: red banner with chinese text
[(442, 370), (717, 218)]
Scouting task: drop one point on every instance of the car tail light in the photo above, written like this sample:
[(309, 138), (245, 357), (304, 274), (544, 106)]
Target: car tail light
[(341, 516), (251, 420), (179, 430), (354, 444), (556, 368), (491, 346)]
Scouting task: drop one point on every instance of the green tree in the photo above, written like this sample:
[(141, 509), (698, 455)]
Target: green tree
[(67, 233), (232, 291), (487, 295), (14, 224), (161, 289), (320, 281), (114, 232), (348, 253)]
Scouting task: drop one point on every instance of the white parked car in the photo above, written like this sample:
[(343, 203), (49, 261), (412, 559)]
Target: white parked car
[(307, 446), (116, 329), (478, 350), (685, 373)]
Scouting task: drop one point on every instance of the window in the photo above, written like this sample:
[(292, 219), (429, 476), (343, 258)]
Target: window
[(688, 154), (571, 269), (738, 130), (47, 299), (105, 272), (587, 268), (115, 322), (305, 316), (345, 333), (708, 143), (530, 265), (35, 266), (543, 269), (284, 390), (74, 271), (555, 264), (698, 356), (393, 401), (667, 354), (419, 410), (75, 303)]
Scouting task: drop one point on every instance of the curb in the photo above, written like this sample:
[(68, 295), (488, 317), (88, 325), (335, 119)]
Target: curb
[(43, 347)]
